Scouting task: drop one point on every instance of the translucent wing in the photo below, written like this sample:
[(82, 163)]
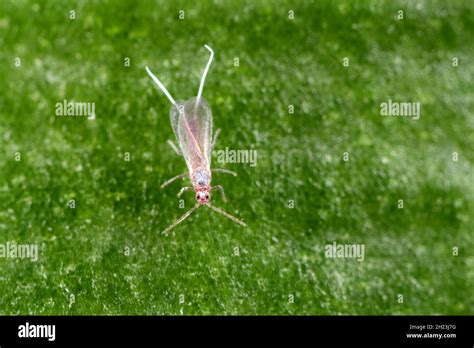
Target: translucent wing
[(174, 116), (192, 125)]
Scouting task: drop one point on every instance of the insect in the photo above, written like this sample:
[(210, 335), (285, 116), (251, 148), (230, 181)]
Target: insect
[(192, 125)]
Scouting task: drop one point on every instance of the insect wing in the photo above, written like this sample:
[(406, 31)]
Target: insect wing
[(174, 117), (192, 125)]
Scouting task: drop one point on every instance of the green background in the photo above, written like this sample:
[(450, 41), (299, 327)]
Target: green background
[(83, 267)]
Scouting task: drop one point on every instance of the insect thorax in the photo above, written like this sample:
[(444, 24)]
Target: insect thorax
[(201, 177)]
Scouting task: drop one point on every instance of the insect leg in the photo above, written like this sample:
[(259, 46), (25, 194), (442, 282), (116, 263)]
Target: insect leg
[(180, 176), (184, 189), (215, 138), (220, 188), (185, 215), (227, 215), (174, 147), (222, 170)]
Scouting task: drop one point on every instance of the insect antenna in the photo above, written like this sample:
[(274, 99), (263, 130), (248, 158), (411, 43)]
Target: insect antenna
[(227, 215), (162, 87), (177, 222), (203, 78)]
